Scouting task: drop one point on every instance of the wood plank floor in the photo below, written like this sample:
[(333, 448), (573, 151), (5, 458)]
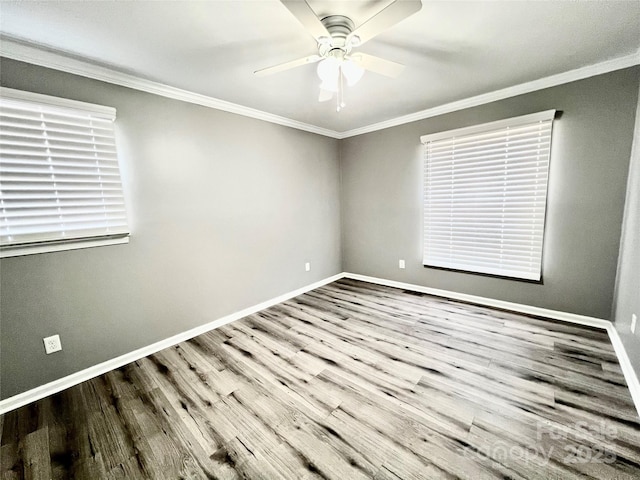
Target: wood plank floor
[(348, 381)]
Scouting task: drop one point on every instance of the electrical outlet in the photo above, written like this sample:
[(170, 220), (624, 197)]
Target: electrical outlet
[(401, 263), (52, 344), (307, 267), (634, 320)]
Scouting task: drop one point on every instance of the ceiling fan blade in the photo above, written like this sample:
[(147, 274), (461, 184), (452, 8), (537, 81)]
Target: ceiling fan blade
[(377, 64), (307, 17), (385, 18), (287, 65), (325, 95)]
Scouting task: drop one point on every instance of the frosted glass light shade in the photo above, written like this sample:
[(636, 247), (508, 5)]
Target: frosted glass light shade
[(352, 72), (329, 72)]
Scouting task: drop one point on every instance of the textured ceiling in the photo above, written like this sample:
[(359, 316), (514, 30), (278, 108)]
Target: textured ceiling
[(452, 50)]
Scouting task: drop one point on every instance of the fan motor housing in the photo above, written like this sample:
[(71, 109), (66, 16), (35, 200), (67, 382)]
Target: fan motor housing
[(339, 27)]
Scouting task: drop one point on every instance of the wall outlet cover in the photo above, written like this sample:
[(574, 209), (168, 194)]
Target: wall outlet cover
[(52, 344), (634, 320), (307, 267), (401, 264)]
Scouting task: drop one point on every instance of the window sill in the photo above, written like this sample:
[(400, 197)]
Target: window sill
[(58, 247), (486, 274)]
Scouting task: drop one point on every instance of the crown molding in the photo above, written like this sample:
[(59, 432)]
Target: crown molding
[(57, 61), (540, 84), (39, 55)]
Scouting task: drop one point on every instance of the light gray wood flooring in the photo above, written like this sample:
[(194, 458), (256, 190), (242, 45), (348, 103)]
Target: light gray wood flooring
[(349, 381)]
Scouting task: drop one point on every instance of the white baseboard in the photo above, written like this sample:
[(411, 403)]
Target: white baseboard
[(489, 302), (56, 386), (625, 364)]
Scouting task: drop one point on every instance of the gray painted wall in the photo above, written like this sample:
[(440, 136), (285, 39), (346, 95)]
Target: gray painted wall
[(224, 211), (381, 189), (627, 298)]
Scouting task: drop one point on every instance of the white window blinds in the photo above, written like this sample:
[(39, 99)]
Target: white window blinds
[(485, 190), (59, 175)]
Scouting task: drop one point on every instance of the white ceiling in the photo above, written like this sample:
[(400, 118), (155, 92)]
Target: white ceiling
[(452, 50)]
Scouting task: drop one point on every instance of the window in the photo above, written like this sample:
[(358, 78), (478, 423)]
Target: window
[(60, 184), (485, 190)]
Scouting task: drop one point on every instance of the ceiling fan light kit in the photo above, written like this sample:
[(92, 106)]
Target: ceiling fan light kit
[(336, 64), (336, 36)]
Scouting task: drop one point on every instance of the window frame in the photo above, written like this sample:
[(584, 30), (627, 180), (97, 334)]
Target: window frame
[(79, 240)]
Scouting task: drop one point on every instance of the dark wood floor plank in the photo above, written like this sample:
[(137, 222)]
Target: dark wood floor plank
[(37, 465), (351, 380), (559, 448)]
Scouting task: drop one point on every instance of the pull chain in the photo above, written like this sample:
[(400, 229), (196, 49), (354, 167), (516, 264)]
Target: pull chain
[(340, 96)]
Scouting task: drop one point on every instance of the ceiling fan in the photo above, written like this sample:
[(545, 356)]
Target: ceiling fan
[(337, 37)]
